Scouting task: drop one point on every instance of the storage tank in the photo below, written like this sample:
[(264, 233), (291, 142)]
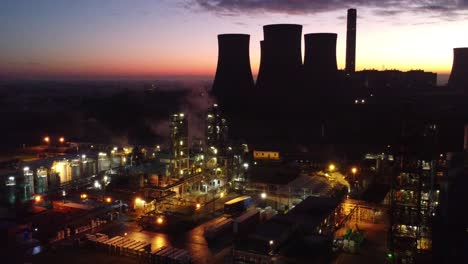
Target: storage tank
[(42, 180), (75, 168), (63, 170), (103, 163)]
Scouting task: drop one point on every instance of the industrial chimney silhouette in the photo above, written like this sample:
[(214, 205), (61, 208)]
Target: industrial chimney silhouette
[(281, 60), (458, 79), (351, 42), (233, 73)]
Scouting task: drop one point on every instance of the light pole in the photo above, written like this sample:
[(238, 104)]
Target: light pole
[(64, 193)]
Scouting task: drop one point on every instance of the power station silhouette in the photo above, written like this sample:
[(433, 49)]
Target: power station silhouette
[(458, 79), (313, 98), (233, 74), (281, 59), (285, 85)]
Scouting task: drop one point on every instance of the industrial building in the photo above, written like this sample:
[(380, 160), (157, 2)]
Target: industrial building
[(315, 217), (179, 145), (41, 176), (415, 195)]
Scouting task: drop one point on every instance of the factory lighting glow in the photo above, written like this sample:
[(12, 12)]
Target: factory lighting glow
[(37, 198), (160, 220)]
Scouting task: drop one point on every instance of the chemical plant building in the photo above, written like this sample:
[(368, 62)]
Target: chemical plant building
[(39, 176), (311, 223)]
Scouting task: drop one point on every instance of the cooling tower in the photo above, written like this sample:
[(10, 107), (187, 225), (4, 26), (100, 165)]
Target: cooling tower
[(233, 74), (351, 42), (320, 55), (459, 76), (281, 59), (264, 65)]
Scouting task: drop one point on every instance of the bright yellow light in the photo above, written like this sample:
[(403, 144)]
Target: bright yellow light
[(263, 195), (331, 167), (138, 200), (108, 200), (221, 194), (46, 139), (84, 196), (61, 139), (198, 206), (160, 220), (354, 170), (37, 198)]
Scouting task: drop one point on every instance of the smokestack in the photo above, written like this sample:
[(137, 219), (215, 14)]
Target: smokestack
[(233, 74), (281, 60), (320, 54), (351, 42), (459, 76)]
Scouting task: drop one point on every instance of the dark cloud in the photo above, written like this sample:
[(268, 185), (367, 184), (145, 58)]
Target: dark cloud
[(445, 9)]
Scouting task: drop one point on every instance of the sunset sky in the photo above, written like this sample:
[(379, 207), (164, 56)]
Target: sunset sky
[(177, 38)]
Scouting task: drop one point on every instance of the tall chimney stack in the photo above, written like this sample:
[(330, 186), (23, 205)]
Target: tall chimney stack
[(351, 42)]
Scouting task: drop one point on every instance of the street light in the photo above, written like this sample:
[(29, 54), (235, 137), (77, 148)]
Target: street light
[(354, 170), (37, 198), (108, 200), (198, 206), (46, 140), (263, 195), (61, 139), (64, 193), (83, 196), (331, 167)]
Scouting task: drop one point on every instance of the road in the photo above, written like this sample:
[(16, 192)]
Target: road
[(373, 249), (192, 240)]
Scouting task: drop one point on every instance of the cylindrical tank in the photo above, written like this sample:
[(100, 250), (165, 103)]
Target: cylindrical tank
[(42, 180), (154, 180), (116, 161), (103, 164), (75, 169), (233, 72), (62, 169), (459, 76)]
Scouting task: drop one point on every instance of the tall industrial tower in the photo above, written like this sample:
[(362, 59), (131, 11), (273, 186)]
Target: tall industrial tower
[(351, 42), (216, 131), (179, 145), (415, 195)]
